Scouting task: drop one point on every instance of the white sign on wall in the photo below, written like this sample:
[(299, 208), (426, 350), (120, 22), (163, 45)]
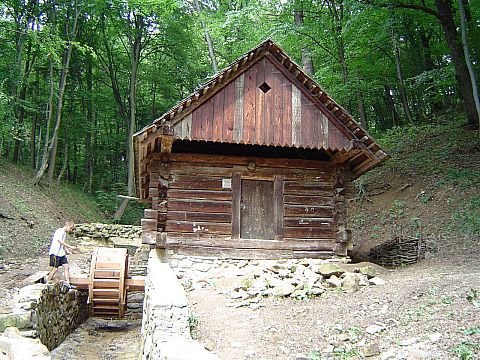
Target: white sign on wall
[(226, 183)]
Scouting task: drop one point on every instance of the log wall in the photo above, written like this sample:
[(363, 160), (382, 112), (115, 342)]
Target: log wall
[(200, 206)]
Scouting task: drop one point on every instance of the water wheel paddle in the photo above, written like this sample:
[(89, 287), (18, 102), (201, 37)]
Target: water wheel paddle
[(107, 289)]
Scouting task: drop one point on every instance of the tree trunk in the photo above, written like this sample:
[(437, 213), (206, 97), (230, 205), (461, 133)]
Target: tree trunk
[(467, 59), (401, 83), (306, 54), (208, 39), (89, 127), (135, 51), (361, 109), (33, 130), (446, 18), (44, 164), (390, 105), (52, 149), (65, 161)]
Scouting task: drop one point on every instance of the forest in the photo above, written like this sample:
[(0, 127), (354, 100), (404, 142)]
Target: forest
[(79, 77)]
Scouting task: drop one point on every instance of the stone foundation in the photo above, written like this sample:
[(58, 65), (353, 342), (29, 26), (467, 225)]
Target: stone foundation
[(165, 326), (46, 312)]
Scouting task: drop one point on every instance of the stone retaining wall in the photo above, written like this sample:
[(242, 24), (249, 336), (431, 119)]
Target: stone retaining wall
[(165, 326), (108, 231), (47, 312)]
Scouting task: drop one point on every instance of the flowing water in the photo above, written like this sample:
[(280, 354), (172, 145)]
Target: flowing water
[(102, 339)]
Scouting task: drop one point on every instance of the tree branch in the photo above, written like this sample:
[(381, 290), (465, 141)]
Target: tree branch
[(402, 5)]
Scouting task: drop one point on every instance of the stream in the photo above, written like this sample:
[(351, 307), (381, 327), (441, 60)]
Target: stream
[(102, 339)]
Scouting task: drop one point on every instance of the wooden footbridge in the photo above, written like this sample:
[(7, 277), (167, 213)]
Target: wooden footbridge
[(109, 282)]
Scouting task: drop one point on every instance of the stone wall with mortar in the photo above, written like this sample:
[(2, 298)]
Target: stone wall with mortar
[(165, 322), (47, 312)]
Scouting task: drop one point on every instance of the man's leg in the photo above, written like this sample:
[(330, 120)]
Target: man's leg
[(67, 272), (51, 273)]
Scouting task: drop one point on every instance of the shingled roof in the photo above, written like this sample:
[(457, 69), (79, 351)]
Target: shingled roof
[(358, 148)]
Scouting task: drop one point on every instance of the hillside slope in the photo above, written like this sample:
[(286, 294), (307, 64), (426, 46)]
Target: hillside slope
[(429, 188), (29, 214)]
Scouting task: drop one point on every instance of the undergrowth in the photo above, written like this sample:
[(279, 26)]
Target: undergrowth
[(444, 153)]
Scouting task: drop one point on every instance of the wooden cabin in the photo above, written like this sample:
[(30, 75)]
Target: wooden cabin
[(256, 163)]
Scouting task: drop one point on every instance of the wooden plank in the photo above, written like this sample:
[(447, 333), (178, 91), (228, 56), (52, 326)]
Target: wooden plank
[(308, 222), (80, 282), (106, 274), (309, 232), (304, 244), (112, 265), (187, 127), (269, 105), (135, 283), (199, 206), (184, 182), (225, 194), (233, 253), (308, 211), (202, 170), (306, 121), (308, 200), (296, 116), (207, 123), (229, 112), (150, 214), (238, 113), (101, 283), (287, 112), (323, 135), (278, 207), (244, 160), (278, 118), (196, 125), (236, 199), (198, 227), (260, 103), (249, 90), (199, 216), (306, 185), (218, 115), (99, 293)]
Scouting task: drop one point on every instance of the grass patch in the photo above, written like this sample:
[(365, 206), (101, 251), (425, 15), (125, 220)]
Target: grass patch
[(466, 217)]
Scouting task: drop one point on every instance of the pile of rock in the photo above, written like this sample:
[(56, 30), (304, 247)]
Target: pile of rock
[(47, 312), (300, 279)]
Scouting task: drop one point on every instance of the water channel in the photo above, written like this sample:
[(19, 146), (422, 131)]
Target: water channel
[(102, 339)]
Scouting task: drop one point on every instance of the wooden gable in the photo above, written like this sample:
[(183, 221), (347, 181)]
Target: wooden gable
[(264, 106)]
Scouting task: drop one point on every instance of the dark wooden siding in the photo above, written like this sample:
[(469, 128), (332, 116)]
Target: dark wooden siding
[(242, 112), (200, 204)]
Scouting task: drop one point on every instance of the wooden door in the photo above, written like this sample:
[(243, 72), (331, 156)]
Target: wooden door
[(257, 212)]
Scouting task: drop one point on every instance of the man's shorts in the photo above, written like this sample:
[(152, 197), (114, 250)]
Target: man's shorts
[(57, 261)]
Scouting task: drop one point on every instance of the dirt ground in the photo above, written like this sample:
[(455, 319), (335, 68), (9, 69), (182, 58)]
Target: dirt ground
[(425, 311)]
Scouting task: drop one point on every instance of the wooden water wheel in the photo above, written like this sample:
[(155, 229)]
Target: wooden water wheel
[(107, 284)]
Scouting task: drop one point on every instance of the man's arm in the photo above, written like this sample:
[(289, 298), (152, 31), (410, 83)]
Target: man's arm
[(65, 245)]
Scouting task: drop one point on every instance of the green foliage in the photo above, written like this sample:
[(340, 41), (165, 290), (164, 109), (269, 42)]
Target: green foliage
[(193, 324), (465, 350), (466, 217)]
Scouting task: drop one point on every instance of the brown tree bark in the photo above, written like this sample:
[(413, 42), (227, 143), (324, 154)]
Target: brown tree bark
[(306, 54), (208, 39)]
